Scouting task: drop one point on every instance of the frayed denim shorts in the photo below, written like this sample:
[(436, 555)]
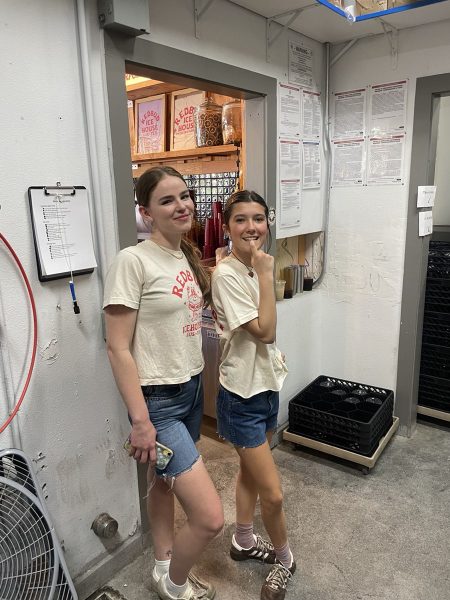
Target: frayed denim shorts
[(176, 412), (245, 421)]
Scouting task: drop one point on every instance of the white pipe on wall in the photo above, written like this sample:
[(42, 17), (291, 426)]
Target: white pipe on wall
[(91, 143), (10, 438)]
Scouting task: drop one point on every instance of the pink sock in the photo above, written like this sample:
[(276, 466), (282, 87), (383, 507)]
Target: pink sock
[(284, 555), (244, 535)]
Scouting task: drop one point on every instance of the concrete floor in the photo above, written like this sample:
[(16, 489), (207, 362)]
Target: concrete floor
[(382, 536)]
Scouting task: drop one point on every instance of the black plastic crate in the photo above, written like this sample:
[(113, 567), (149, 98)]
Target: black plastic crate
[(439, 260), (434, 392), (436, 329), (435, 361), (437, 295), (349, 415)]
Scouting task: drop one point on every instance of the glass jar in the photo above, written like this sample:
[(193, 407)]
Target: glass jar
[(231, 123), (208, 124)]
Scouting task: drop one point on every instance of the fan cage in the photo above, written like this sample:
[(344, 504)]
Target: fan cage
[(32, 565)]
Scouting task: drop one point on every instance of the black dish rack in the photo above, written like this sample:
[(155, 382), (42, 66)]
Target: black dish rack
[(434, 381), (342, 413)]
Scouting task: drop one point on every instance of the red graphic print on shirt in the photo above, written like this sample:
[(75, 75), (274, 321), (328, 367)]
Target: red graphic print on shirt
[(187, 289)]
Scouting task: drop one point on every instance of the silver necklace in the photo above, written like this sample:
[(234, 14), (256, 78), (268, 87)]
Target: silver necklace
[(175, 253), (249, 269)]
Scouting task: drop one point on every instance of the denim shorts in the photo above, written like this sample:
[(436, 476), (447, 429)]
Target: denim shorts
[(245, 421), (176, 412)]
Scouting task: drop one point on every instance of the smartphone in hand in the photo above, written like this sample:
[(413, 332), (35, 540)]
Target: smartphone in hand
[(163, 454)]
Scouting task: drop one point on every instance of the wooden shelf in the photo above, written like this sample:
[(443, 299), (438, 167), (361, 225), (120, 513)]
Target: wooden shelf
[(191, 153), (142, 90)]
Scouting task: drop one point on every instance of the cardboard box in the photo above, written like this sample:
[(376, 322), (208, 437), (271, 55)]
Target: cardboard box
[(366, 7), (396, 3)]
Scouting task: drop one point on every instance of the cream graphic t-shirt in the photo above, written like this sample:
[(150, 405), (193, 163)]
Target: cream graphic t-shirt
[(247, 365), (167, 343)]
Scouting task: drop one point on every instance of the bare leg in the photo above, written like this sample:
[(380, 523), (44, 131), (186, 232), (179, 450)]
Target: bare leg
[(160, 508), (260, 474), (246, 492), (199, 499), (246, 495)]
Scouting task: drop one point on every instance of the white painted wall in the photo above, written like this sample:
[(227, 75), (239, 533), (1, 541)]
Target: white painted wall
[(361, 292), (441, 210), (72, 413)]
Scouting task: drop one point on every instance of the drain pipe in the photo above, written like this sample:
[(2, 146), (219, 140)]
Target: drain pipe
[(91, 142), (326, 135), (10, 437)]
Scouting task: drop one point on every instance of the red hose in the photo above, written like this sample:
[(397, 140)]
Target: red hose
[(33, 355)]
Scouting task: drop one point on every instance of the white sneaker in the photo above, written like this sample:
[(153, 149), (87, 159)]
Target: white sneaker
[(197, 589)]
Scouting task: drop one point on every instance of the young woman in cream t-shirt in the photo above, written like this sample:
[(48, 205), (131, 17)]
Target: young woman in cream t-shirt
[(251, 373), (154, 294)]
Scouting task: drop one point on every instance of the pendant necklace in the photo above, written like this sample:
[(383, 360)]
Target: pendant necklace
[(175, 253), (249, 269)]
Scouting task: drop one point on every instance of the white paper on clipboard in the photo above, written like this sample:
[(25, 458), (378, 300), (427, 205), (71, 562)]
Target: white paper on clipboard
[(62, 230)]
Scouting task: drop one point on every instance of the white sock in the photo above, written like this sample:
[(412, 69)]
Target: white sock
[(239, 547), (173, 589), (161, 567)]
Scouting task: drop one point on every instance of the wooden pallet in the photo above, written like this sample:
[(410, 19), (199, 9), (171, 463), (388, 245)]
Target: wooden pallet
[(433, 412), (368, 462)]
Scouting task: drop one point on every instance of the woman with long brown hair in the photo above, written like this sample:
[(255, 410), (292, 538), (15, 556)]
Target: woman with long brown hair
[(251, 373), (154, 295)]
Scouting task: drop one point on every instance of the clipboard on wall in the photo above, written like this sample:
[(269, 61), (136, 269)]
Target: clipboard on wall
[(62, 231)]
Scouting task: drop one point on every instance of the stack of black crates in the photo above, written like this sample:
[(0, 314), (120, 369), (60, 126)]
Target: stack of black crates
[(434, 382), (342, 413)]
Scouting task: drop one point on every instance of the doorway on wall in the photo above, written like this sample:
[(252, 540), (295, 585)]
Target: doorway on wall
[(184, 70), (147, 59), (434, 375), (164, 119), (431, 116)]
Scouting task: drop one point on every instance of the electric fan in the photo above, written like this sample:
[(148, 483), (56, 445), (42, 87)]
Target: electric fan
[(32, 566)]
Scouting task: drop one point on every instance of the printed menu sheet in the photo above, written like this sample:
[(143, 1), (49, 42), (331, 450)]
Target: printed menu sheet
[(311, 165), (312, 115), (289, 98), (349, 114), (348, 162), (290, 204), (290, 182), (385, 160), (388, 108), (290, 167)]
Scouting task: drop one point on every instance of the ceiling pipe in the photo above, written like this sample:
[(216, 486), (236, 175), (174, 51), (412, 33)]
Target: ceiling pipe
[(326, 137)]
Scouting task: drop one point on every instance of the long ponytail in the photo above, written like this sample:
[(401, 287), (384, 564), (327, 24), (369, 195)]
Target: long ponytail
[(193, 256)]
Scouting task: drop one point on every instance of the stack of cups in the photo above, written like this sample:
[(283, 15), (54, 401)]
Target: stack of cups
[(210, 238), (218, 223), (294, 276), (289, 277)]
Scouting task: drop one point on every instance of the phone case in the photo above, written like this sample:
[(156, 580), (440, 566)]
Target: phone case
[(163, 454)]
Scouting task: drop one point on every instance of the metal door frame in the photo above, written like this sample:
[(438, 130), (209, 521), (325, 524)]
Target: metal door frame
[(178, 66), (416, 250)]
